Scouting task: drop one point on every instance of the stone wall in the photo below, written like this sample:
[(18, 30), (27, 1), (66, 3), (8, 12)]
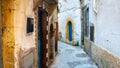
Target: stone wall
[(102, 57), (86, 45)]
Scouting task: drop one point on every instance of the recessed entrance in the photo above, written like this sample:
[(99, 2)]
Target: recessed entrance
[(39, 35), (69, 31)]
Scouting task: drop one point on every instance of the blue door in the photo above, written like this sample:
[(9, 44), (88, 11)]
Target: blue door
[(70, 31), (39, 36)]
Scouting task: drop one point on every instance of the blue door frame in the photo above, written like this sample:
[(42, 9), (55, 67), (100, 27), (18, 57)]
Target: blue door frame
[(39, 35), (70, 31)]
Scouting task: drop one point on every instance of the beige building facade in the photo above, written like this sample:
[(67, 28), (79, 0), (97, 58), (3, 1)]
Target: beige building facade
[(19, 32)]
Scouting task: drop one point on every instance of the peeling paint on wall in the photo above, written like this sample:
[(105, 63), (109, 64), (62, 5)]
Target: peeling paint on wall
[(24, 41), (1, 59), (8, 39), (14, 37)]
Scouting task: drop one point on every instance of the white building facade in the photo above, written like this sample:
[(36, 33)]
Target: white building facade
[(102, 41), (69, 18)]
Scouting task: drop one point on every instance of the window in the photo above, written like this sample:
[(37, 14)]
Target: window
[(30, 25)]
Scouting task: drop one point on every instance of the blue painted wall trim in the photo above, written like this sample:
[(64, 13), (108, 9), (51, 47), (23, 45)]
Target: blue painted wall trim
[(39, 35)]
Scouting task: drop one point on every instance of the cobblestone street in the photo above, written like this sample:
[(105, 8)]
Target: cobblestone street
[(72, 57)]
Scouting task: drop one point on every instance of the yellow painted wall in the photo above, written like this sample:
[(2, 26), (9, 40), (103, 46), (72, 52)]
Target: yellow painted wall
[(8, 38), (66, 33), (16, 42), (1, 63)]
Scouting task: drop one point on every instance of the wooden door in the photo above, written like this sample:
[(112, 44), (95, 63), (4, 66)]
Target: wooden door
[(44, 33)]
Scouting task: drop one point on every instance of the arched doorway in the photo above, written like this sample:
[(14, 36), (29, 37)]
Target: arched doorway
[(70, 31)]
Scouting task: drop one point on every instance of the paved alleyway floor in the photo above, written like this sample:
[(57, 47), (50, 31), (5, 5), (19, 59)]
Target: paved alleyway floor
[(72, 57)]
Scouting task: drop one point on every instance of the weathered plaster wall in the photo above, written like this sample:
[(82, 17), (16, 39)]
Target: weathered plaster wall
[(1, 60), (105, 49), (8, 39), (86, 45), (66, 5), (107, 33), (104, 58), (51, 43), (24, 43), (70, 9)]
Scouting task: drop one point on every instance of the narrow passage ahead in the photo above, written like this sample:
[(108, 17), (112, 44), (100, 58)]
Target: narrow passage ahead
[(72, 57)]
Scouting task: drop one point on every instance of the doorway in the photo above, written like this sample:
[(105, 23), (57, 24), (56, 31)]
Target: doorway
[(70, 30), (56, 38), (42, 37), (39, 35), (52, 45)]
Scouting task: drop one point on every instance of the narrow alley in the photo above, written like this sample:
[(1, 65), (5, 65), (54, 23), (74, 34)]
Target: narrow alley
[(59, 33), (72, 57)]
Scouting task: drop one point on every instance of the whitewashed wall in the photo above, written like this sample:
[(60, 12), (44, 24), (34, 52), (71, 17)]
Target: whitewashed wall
[(70, 9), (107, 25)]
